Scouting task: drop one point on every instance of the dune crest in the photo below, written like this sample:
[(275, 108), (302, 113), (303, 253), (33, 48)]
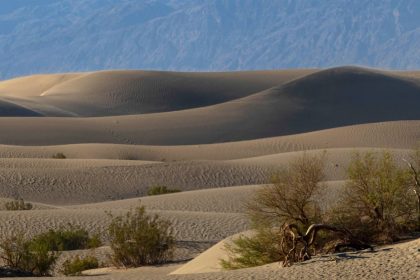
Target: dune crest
[(80, 144)]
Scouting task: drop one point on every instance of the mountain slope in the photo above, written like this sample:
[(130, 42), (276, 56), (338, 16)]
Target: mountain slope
[(77, 35)]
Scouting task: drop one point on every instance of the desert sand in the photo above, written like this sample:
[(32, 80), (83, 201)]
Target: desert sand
[(216, 136)]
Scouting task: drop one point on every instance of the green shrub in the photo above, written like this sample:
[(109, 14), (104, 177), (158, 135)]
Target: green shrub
[(75, 266), (157, 190), (377, 204), (17, 204), (72, 238), (258, 249), (289, 199), (94, 241), (140, 239), (22, 254), (59, 156)]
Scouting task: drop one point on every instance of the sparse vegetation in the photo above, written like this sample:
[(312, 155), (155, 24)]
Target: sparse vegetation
[(140, 239), (253, 250), (290, 225), (17, 204), (280, 212), (157, 190), (59, 156), (75, 266), (377, 205), (26, 256), (71, 238)]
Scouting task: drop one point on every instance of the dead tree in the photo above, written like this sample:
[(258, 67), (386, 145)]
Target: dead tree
[(297, 246)]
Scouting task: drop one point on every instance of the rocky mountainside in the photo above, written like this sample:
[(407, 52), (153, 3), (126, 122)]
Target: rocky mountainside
[(40, 36)]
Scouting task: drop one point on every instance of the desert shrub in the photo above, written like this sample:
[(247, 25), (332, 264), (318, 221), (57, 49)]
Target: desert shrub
[(377, 205), (71, 238), (140, 239), (157, 190), (25, 255), (289, 223), (94, 241), (59, 156), (17, 204), (75, 266), (289, 200), (291, 196), (257, 249)]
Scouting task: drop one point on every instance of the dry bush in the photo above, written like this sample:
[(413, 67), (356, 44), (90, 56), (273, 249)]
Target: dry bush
[(139, 239), (248, 251), (288, 220), (157, 190), (68, 238), (377, 205), (75, 266), (21, 254), (414, 172), (291, 196), (59, 156), (17, 205)]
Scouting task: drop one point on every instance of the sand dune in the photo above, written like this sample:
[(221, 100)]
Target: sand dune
[(216, 136), (107, 93), (72, 181), (399, 261), (203, 229), (35, 85), (325, 99), (399, 135), (391, 262), (8, 108)]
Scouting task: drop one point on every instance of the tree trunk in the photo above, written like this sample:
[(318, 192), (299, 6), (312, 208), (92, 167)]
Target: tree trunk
[(307, 240)]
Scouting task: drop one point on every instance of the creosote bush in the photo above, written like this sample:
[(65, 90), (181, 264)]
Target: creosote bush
[(59, 156), (254, 250), (157, 190), (75, 266), (290, 200), (291, 196), (377, 206), (17, 204), (25, 255), (140, 239), (71, 238)]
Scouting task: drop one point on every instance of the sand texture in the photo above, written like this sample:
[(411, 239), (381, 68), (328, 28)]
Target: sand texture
[(217, 137)]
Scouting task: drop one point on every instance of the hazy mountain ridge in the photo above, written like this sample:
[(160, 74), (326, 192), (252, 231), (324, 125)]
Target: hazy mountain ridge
[(77, 35)]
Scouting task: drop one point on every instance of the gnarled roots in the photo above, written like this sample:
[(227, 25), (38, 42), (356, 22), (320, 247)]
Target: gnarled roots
[(298, 246)]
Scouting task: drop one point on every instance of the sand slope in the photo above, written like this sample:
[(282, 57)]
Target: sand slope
[(125, 92), (325, 99), (401, 135), (70, 181), (216, 136)]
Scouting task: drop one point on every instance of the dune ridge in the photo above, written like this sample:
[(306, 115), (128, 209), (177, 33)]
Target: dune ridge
[(217, 137), (321, 100)]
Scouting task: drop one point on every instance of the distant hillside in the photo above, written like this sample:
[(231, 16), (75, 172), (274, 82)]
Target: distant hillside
[(44, 36)]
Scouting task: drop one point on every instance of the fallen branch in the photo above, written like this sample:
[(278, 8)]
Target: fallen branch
[(294, 239)]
